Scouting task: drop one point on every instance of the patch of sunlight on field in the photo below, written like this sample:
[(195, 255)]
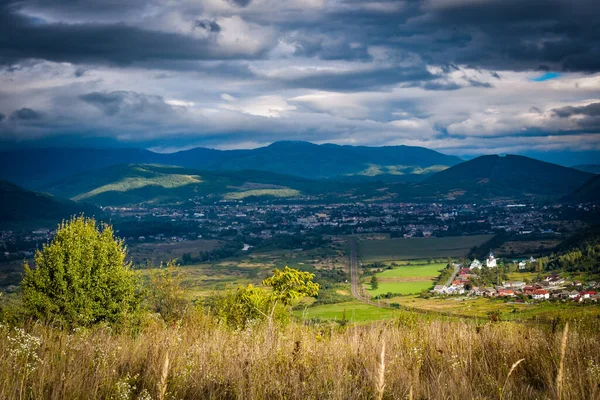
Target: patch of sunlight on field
[(279, 193), (401, 287), (127, 184), (426, 270), (355, 312)]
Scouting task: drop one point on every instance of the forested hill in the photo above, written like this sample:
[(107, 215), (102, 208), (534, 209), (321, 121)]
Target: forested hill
[(18, 205), (34, 168), (510, 176)]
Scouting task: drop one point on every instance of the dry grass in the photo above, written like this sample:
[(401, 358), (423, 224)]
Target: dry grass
[(200, 358)]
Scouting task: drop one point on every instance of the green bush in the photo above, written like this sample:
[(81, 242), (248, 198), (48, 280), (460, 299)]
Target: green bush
[(81, 277)]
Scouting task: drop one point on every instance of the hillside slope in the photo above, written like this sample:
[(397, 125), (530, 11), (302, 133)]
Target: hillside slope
[(510, 176), (591, 168), (19, 205), (160, 184), (589, 192)]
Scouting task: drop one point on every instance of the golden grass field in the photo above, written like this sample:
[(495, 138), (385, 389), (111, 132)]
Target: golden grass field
[(406, 357)]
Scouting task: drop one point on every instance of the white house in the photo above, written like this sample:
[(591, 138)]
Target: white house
[(522, 265), (491, 261), (475, 264), (541, 294)]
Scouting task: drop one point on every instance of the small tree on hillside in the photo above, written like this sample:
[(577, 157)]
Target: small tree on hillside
[(166, 292), (374, 283), (81, 277)]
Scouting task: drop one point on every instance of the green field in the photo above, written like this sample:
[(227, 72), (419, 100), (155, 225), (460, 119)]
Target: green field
[(408, 271), (419, 248), (406, 279), (401, 287), (355, 312)]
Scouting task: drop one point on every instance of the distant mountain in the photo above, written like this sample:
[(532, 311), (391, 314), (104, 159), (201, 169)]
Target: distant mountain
[(592, 168), (510, 176), (127, 184), (589, 192), (34, 168), (328, 160), (19, 205)]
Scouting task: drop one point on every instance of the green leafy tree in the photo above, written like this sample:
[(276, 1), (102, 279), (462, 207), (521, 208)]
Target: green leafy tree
[(166, 292), (291, 284), (374, 283), (81, 277), (237, 308), (271, 302)]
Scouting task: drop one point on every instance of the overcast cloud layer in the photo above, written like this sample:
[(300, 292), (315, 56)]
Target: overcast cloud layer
[(464, 77)]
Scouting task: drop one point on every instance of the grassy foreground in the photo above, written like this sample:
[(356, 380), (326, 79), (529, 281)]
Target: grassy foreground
[(200, 358)]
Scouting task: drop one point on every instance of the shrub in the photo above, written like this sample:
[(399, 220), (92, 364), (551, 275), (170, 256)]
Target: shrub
[(81, 277), (166, 293)]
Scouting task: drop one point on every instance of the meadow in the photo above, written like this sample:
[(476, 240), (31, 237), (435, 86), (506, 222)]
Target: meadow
[(419, 248), (409, 356), (352, 311), (405, 279)]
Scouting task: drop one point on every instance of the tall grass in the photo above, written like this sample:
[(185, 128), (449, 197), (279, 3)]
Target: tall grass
[(200, 358)]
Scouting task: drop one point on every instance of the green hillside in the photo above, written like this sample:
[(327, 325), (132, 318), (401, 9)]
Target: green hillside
[(18, 205), (161, 184), (510, 176)]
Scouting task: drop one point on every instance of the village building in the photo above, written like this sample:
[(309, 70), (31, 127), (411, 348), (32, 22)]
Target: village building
[(491, 261), (475, 264), (540, 294)]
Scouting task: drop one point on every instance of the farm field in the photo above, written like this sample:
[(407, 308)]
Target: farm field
[(406, 279), (355, 312), (409, 287), (419, 270), (419, 248)]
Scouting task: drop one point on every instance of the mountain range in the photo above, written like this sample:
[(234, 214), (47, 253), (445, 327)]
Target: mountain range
[(481, 179), (102, 179), (35, 168)]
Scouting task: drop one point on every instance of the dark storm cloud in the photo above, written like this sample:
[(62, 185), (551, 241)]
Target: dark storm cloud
[(502, 34), (2, 117), (241, 3), (587, 117), (208, 25), (25, 114), (126, 103), (491, 34), (26, 38), (592, 110)]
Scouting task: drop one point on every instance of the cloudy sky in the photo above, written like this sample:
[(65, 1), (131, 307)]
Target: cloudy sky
[(464, 77)]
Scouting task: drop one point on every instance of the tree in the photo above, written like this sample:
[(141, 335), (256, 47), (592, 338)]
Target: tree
[(290, 284), (239, 307), (166, 292), (81, 277), (374, 283)]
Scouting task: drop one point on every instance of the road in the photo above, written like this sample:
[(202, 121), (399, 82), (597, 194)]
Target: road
[(449, 281), (357, 290)]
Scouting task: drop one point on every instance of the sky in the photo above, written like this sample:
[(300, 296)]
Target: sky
[(464, 77)]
